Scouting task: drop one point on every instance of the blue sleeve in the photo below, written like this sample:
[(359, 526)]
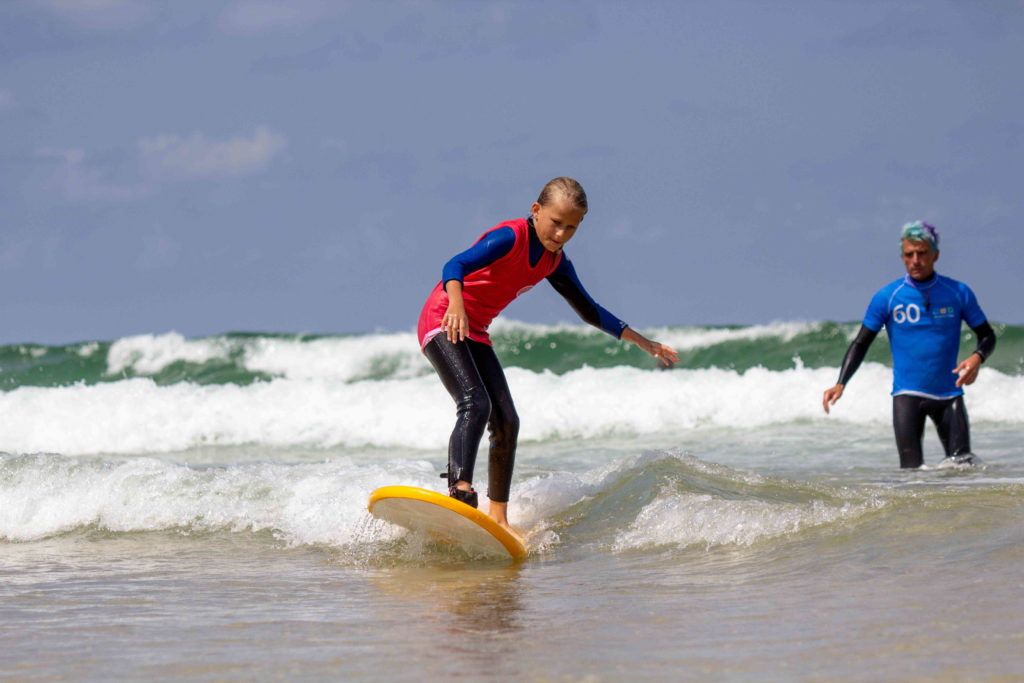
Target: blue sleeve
[(972, 313), (567, 283), (496, 244), (878, 310)]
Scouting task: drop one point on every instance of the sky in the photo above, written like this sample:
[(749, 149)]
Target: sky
[(309, 166)]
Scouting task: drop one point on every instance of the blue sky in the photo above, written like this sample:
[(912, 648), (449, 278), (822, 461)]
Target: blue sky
[(308, 166)]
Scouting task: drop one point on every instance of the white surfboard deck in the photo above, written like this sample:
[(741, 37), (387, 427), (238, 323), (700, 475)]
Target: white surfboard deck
[(444, 519)]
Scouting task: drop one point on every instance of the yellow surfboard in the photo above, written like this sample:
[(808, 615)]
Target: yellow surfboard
[(445, 519)]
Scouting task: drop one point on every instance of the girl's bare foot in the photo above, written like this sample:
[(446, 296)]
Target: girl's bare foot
[(499, 513)]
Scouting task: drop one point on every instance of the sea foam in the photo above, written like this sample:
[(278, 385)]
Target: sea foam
[(378, 390), (138, 416), (315, 503)]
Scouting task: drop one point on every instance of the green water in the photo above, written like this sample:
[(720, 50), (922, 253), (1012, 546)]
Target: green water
[(558, 349)]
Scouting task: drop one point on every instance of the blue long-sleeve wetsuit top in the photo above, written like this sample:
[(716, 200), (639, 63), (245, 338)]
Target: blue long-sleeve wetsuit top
[(499, 242), (922, 320)]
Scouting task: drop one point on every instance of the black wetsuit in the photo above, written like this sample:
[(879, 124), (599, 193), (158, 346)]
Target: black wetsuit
[(472, 374)]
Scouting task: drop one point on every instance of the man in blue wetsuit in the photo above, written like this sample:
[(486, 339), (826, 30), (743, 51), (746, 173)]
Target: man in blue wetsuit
[(921, 313)]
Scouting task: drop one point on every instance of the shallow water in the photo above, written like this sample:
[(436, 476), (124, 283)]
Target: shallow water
[(791, 547), (659, 564)]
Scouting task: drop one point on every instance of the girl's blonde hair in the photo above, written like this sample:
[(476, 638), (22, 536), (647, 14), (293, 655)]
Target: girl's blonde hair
[(568, 188)]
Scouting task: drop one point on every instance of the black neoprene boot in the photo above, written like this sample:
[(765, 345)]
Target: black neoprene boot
[(468, 497)]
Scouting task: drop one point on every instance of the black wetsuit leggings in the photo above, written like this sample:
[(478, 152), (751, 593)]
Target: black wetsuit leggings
[(471, 373), (949, 416)]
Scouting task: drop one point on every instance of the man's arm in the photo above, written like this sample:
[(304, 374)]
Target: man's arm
[(986, 340), (851, 361), (969, 366)]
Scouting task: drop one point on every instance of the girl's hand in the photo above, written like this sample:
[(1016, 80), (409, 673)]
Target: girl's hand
[(455, 323), (666, 355)]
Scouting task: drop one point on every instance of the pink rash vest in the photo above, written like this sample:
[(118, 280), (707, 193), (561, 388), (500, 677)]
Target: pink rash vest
[(486, 292)]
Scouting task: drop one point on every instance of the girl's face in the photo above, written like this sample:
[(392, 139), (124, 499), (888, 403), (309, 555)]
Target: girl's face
[(556, 222)]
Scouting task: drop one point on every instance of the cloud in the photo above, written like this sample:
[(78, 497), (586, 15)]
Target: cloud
[(76, 179), (197, 157), (119, 177)]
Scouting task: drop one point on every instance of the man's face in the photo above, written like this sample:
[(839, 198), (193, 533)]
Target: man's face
[(919, 259)]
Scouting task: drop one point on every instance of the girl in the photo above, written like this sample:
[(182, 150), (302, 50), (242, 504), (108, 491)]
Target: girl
[(476, 286)]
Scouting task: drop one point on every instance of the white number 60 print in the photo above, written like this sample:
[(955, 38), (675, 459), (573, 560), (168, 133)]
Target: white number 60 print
[(911, 314)]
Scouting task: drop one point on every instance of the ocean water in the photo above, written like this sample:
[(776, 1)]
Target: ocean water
[(195, 509)]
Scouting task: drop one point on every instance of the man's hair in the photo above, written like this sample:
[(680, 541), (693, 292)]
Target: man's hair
[(919, 231), (568, 188)]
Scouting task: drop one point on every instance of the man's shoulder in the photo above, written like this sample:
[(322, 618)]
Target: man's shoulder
[(881, 305), (959, 288), (951, 282), (890, 289)]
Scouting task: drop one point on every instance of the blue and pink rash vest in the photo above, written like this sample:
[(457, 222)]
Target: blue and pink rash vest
[(922, 320), (505, 262)]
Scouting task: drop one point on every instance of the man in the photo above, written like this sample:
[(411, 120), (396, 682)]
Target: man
[(921, 313)]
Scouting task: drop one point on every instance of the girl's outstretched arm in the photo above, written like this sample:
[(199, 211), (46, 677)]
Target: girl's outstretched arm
[(567, 283), (666, 355)]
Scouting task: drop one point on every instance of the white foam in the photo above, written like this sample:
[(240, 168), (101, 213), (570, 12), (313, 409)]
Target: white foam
[(86, 350), (148, 353), (354, 357), (300, 504), (688, 338), (343, 358), (45, 495), (138, 416), (680, 338), (703, 520)]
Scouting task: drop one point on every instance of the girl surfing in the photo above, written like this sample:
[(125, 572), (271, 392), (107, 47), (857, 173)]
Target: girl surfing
[(475, 287)]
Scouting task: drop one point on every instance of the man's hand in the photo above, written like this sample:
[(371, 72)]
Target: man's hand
[(831, 396), (968, 370)]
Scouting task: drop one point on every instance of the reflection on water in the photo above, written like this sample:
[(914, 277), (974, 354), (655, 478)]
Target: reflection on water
[(457, 599)]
